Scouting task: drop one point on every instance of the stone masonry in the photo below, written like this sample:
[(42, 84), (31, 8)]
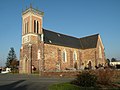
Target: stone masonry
[(39, 55)]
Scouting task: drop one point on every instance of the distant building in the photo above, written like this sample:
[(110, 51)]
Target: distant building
[(45, 50), (116, 64)]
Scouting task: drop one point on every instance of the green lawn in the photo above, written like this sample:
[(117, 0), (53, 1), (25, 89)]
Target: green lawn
[(67, 86)]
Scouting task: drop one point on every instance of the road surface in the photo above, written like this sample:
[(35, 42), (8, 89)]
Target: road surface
[(28, 82)]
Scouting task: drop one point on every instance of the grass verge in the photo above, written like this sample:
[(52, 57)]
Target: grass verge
[(63, 86), (68, 86)]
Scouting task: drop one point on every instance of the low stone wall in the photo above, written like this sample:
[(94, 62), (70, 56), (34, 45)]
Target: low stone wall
[(61, 74), (73, 73)]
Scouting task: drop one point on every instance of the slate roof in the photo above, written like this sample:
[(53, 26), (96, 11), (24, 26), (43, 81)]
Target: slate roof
[(89, 41), (51, 37), (55, 38)]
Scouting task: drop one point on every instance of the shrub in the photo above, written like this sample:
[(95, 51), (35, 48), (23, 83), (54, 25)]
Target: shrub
[(85, 79), (14, 71), (105, 76)]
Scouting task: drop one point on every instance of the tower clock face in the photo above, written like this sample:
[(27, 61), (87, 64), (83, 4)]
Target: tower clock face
[(26, 39)]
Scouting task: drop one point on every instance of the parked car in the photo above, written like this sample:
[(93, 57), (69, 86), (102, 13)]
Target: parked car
[(8, 70)]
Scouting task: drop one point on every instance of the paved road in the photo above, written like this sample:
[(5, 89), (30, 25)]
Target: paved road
[(27, 82)]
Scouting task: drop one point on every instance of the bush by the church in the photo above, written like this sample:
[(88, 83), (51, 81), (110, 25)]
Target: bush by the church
[(85, 79), (105, 76)]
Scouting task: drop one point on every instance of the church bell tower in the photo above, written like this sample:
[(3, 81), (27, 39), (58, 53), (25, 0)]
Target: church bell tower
[(31, 25), (31, 38)]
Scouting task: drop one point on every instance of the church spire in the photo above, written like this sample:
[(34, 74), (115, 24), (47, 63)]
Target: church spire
[(30, 5)]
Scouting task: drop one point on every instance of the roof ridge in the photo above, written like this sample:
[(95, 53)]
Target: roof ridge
[(61, 33), (90, 35)]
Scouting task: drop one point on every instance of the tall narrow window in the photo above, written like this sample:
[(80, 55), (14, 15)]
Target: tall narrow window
[(64, 56), (38, 54), (34, 26), (100, 52), (37, 27), (26, 27), (74, 56)]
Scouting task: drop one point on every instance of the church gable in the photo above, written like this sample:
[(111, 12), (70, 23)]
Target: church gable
[(100, 48), (100, 42)]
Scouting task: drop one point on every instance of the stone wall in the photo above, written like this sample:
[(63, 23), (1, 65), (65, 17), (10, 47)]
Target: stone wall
[(24, 58), (93, 55), (28, 58), (54, 59), (101, 60), (89, 55), (61, 74)]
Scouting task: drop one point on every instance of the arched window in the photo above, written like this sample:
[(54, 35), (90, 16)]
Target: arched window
[(74, 56), (38, 54), (26, 27), (89, 65), (100, 52), (64, 55), (36, 26)]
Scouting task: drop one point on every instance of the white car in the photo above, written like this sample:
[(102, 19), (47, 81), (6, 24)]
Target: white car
[(7, 71)]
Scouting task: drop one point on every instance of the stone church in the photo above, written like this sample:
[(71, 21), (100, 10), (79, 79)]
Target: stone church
[(46, 50)]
